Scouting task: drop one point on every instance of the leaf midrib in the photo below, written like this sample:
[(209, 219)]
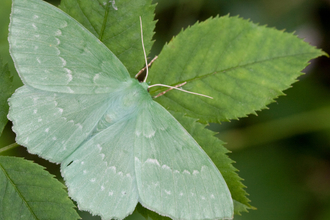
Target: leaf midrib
[(232, 68), (104, 23), (17, 191)]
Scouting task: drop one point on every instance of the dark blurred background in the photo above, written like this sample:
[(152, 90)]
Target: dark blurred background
[(283, 154)]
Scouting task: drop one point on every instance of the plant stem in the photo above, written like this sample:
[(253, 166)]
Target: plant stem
[(9, 147), (274, 130)]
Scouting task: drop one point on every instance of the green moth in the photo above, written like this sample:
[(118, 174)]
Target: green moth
[(116, 145)]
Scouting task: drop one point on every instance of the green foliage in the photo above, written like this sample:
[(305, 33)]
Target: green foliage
[(241, 65), (6, 90), (148, 214), (117, 26), (29, 192), (4, 46)]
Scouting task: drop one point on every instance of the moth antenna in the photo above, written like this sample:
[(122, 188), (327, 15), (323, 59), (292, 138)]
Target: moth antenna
[(141, 71), (176, 87), (144, 51)]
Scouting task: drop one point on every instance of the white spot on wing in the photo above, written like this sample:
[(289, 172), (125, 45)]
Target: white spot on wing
[(68, 71), (186, 171), (38, 60), (195, 172), (137, 161), (137, 133), (34, 26), (85, 171), (165, 167), (102, 188), (168, 192), (54, 138), (108, 117), (181, 194), (96, 77), (204, 168), (57, 41), (35, 16), (93, 180), (46, 130), (58, 51), (113, 168), (39, 120), (69, 76), (35, 111), (58, 33), (99, 147), (65, 24), (70, 90), (63, 61), (61, 110), (150, 135), (152, 161), (212, 196), (110, 193)]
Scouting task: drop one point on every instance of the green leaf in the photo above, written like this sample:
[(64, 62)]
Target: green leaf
[(136, 215), (241, 65), (118, 29), (27, 192), (148, 214), (6, 89), (4, 21)]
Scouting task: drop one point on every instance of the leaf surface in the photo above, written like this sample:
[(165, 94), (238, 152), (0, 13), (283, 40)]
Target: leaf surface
[(241, 65), (27, 192), (6, 89), (116, 24)]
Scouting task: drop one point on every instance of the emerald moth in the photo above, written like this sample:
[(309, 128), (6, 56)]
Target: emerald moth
[(79, 107)]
